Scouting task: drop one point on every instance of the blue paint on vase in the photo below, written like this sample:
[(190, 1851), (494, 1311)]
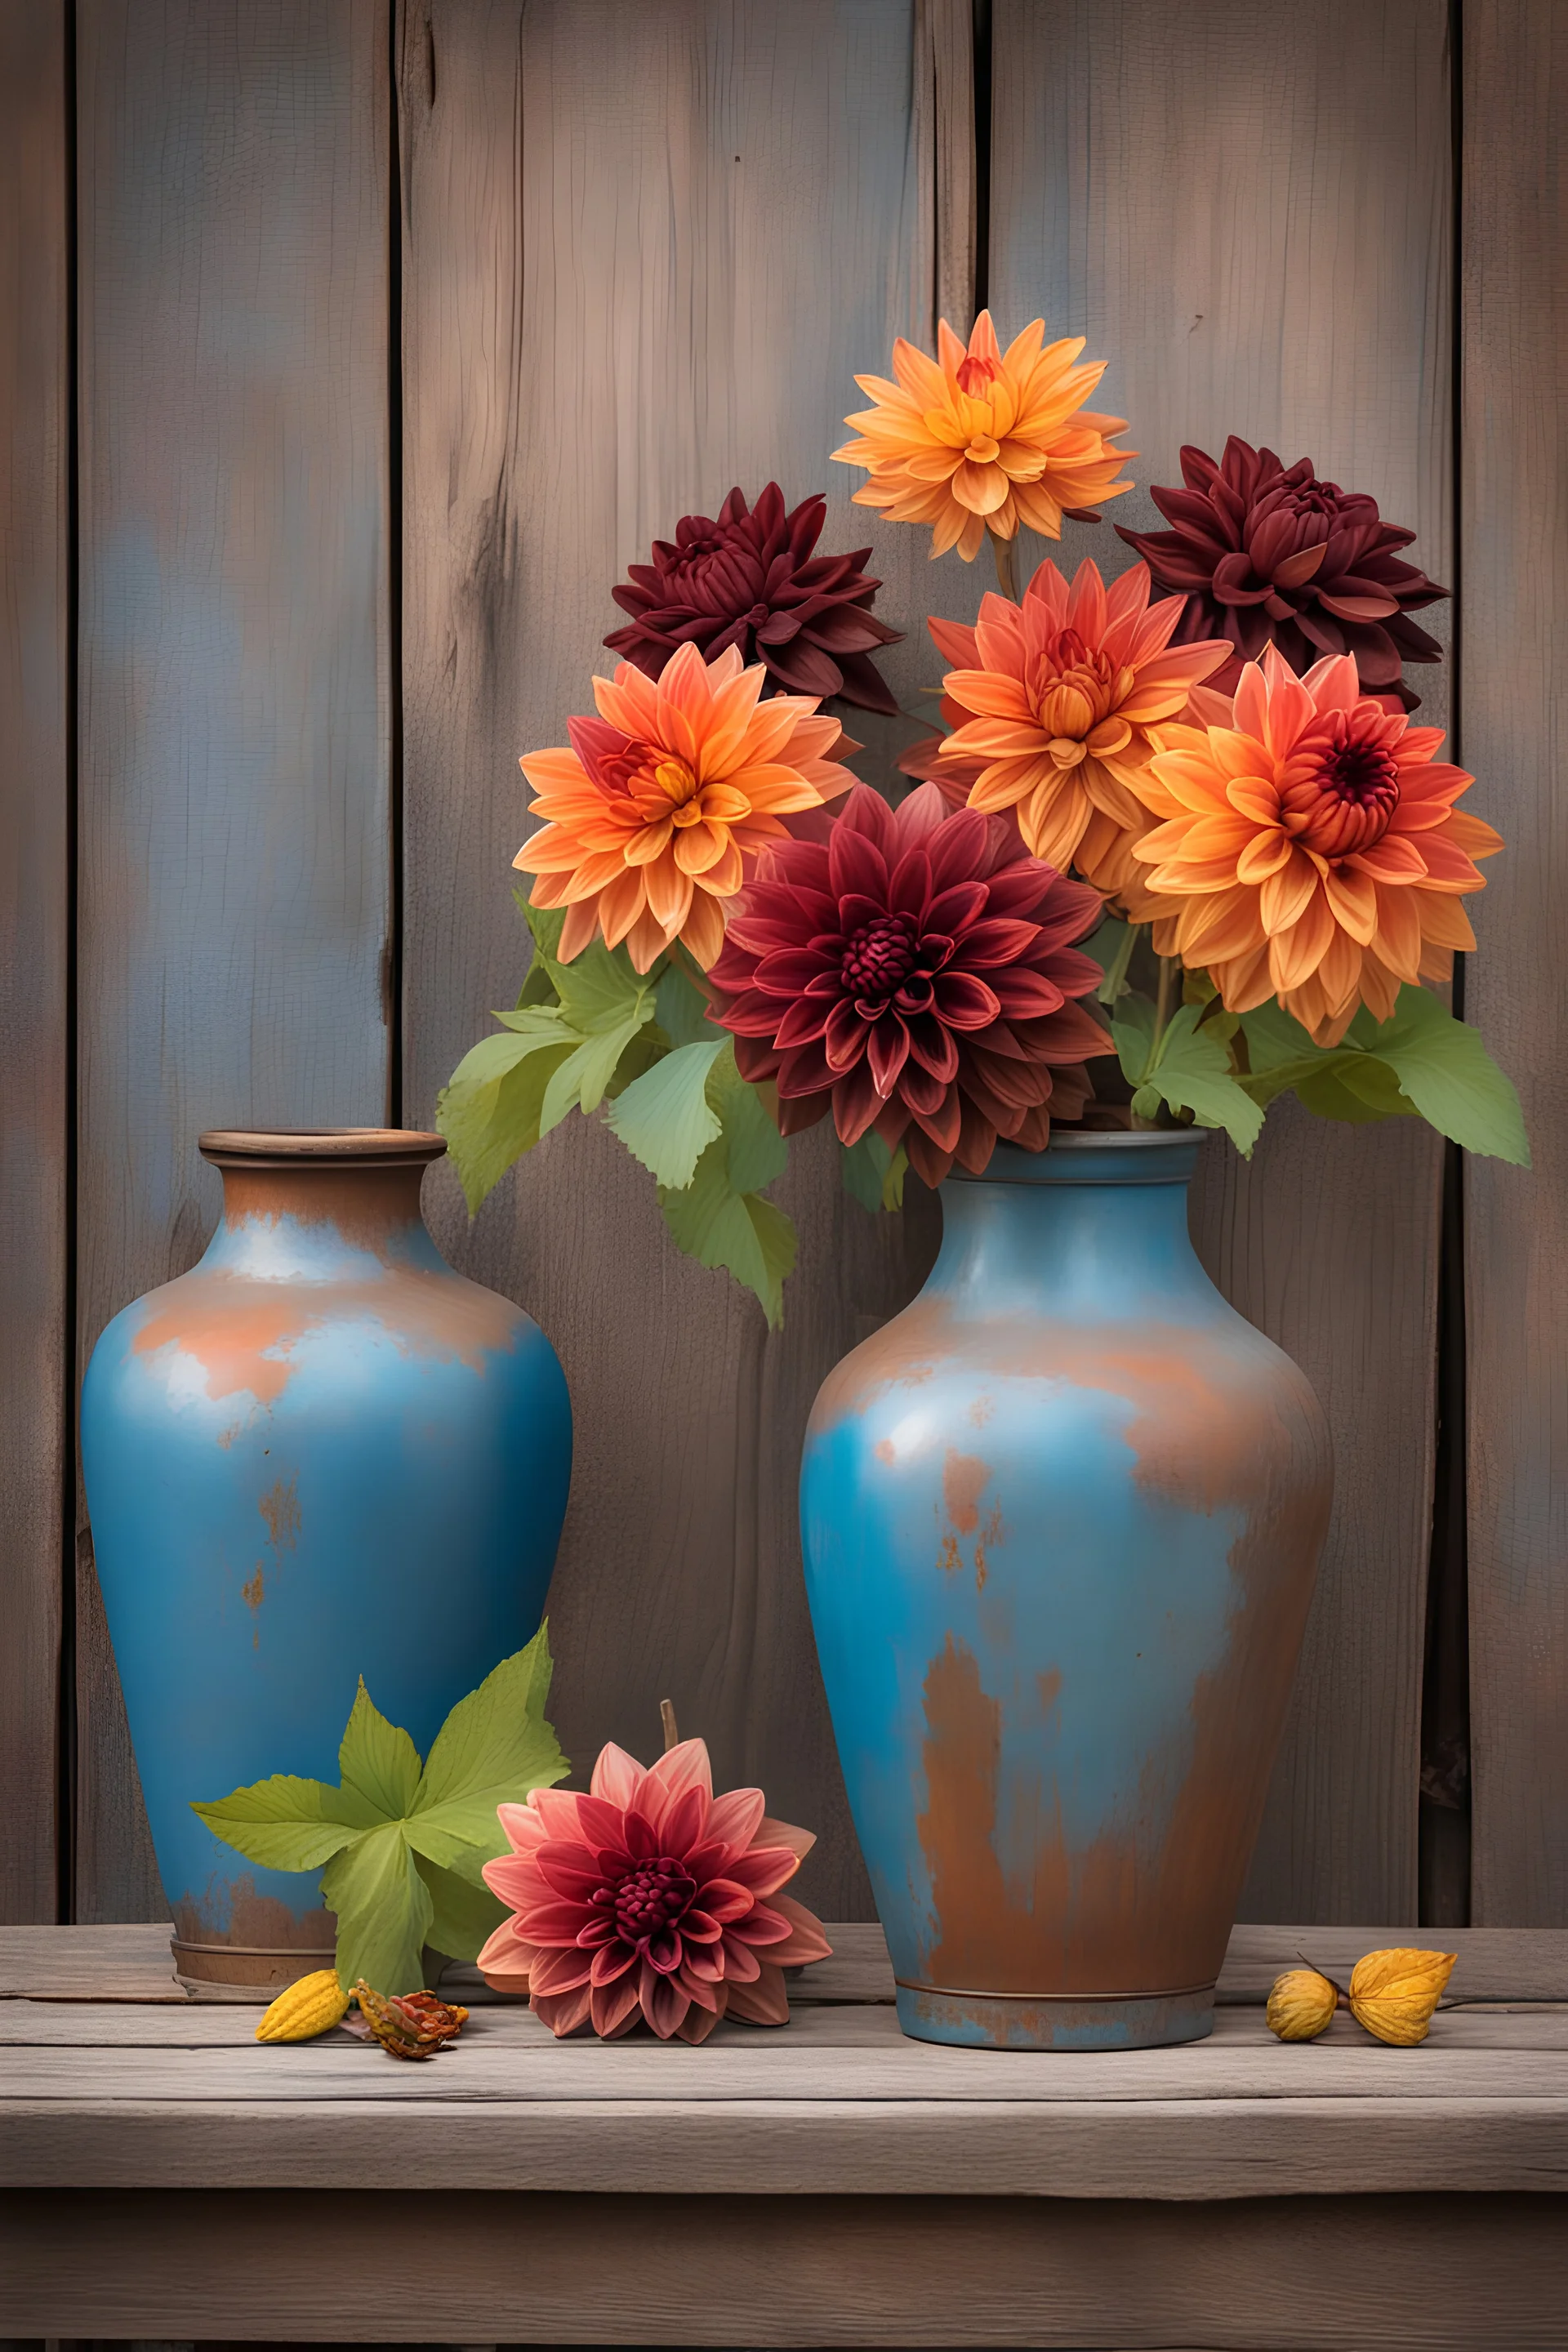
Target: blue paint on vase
[(1061, 1519), (319, 1454)]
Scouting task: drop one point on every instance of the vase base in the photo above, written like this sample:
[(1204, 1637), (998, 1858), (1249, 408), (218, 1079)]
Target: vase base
[(990, 2021), (244, 1972)]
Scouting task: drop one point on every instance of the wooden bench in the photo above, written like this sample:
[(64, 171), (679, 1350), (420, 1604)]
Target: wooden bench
[(164, 2177)]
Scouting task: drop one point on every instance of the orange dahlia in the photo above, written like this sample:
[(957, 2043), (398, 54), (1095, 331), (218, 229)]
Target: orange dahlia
[(652, 812), (1312, 849), (978, 439), (1055, 707)]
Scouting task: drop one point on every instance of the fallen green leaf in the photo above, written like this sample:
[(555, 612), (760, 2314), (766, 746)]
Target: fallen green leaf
[(404, 1846)]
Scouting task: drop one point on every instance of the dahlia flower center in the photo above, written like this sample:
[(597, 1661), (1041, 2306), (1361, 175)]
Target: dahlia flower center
[(879, 957), (1315, 497), (1074, 687), (651, 1898), (976, 374), (676, 781), (982, 450), (1347, 798)]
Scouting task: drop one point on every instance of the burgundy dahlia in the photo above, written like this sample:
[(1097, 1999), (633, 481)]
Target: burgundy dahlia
[(1266, 554), (914, 973), (750, 580)]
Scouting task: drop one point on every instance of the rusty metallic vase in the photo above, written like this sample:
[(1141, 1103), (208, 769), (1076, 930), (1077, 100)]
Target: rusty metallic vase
[(322, 1453), (1061, 1522)]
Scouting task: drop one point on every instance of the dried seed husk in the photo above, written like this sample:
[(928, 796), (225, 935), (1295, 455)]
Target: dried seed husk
[(412, 2024), (1393, 1993), (1301, 2005), (310, 2005)]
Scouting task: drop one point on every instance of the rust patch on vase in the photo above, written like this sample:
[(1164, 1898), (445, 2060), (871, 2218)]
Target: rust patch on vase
[(1148, 1903), (279, 1507), (372, 1208), (884, 1450), (243, 1333), (253, 1592), (964, 1481), (237, 1914), (1199, 1417)]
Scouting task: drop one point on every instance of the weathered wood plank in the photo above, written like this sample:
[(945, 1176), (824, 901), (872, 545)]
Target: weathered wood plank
[(48, 2024), (644, 252), (131, 1963), (35, 925), (1334, 2272), (1246, 210), (1194, 2150), (839, 2055), (235, 693), (1514, 552)]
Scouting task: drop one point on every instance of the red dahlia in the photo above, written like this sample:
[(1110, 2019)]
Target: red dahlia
[(750, 580), (914, 973), (1266, 554)]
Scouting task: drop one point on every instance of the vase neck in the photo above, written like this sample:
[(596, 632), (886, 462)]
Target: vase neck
[(299, 1217), (1090, 1249)]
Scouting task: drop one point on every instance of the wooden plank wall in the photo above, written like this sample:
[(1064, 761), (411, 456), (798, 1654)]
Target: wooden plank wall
[(236, 696), (645, 251), (35, 914), (641, 254), (1514, 232), (1245, 209)]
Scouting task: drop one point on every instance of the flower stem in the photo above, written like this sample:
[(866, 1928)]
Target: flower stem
[(1165, 1002), (666, 1717), (1006, 553)]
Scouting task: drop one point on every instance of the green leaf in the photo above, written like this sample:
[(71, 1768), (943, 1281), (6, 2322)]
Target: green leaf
[(757, 1152), (1190, 1070), (665, 1118), (1132, 1033), (603, 1003), (719, 1226), (464, 1917), (493, 1747), (682, 1009), (489, 1112), (1111, 946), (385, 1911), (378, 1760), (286, 1824), (1445, 1070), (1421, 1062), (872, 1174), (546, 923)]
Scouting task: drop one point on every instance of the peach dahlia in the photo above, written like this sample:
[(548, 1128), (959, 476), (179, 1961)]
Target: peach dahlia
[(652, 812), (981, 439), (1312, 850), (1054, 706)]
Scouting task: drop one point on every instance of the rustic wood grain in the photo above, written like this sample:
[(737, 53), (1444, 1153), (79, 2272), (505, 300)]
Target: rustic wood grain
[(1246, 210), (235, 685), (645, 251), (131, 1963), (1196, 2151), (1514, 545), (1333, 2271), (35, 923)]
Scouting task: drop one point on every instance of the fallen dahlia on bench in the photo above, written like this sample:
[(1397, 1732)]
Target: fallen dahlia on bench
[(649, 1900)]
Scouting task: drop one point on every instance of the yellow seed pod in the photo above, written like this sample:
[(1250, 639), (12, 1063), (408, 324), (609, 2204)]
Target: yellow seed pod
[(1300, 2005), (304, 2008), (1393, 1993)]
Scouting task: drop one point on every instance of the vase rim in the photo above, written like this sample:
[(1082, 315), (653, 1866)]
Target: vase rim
[(294, 1147), (1122, 1139), (1095, 1156)]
